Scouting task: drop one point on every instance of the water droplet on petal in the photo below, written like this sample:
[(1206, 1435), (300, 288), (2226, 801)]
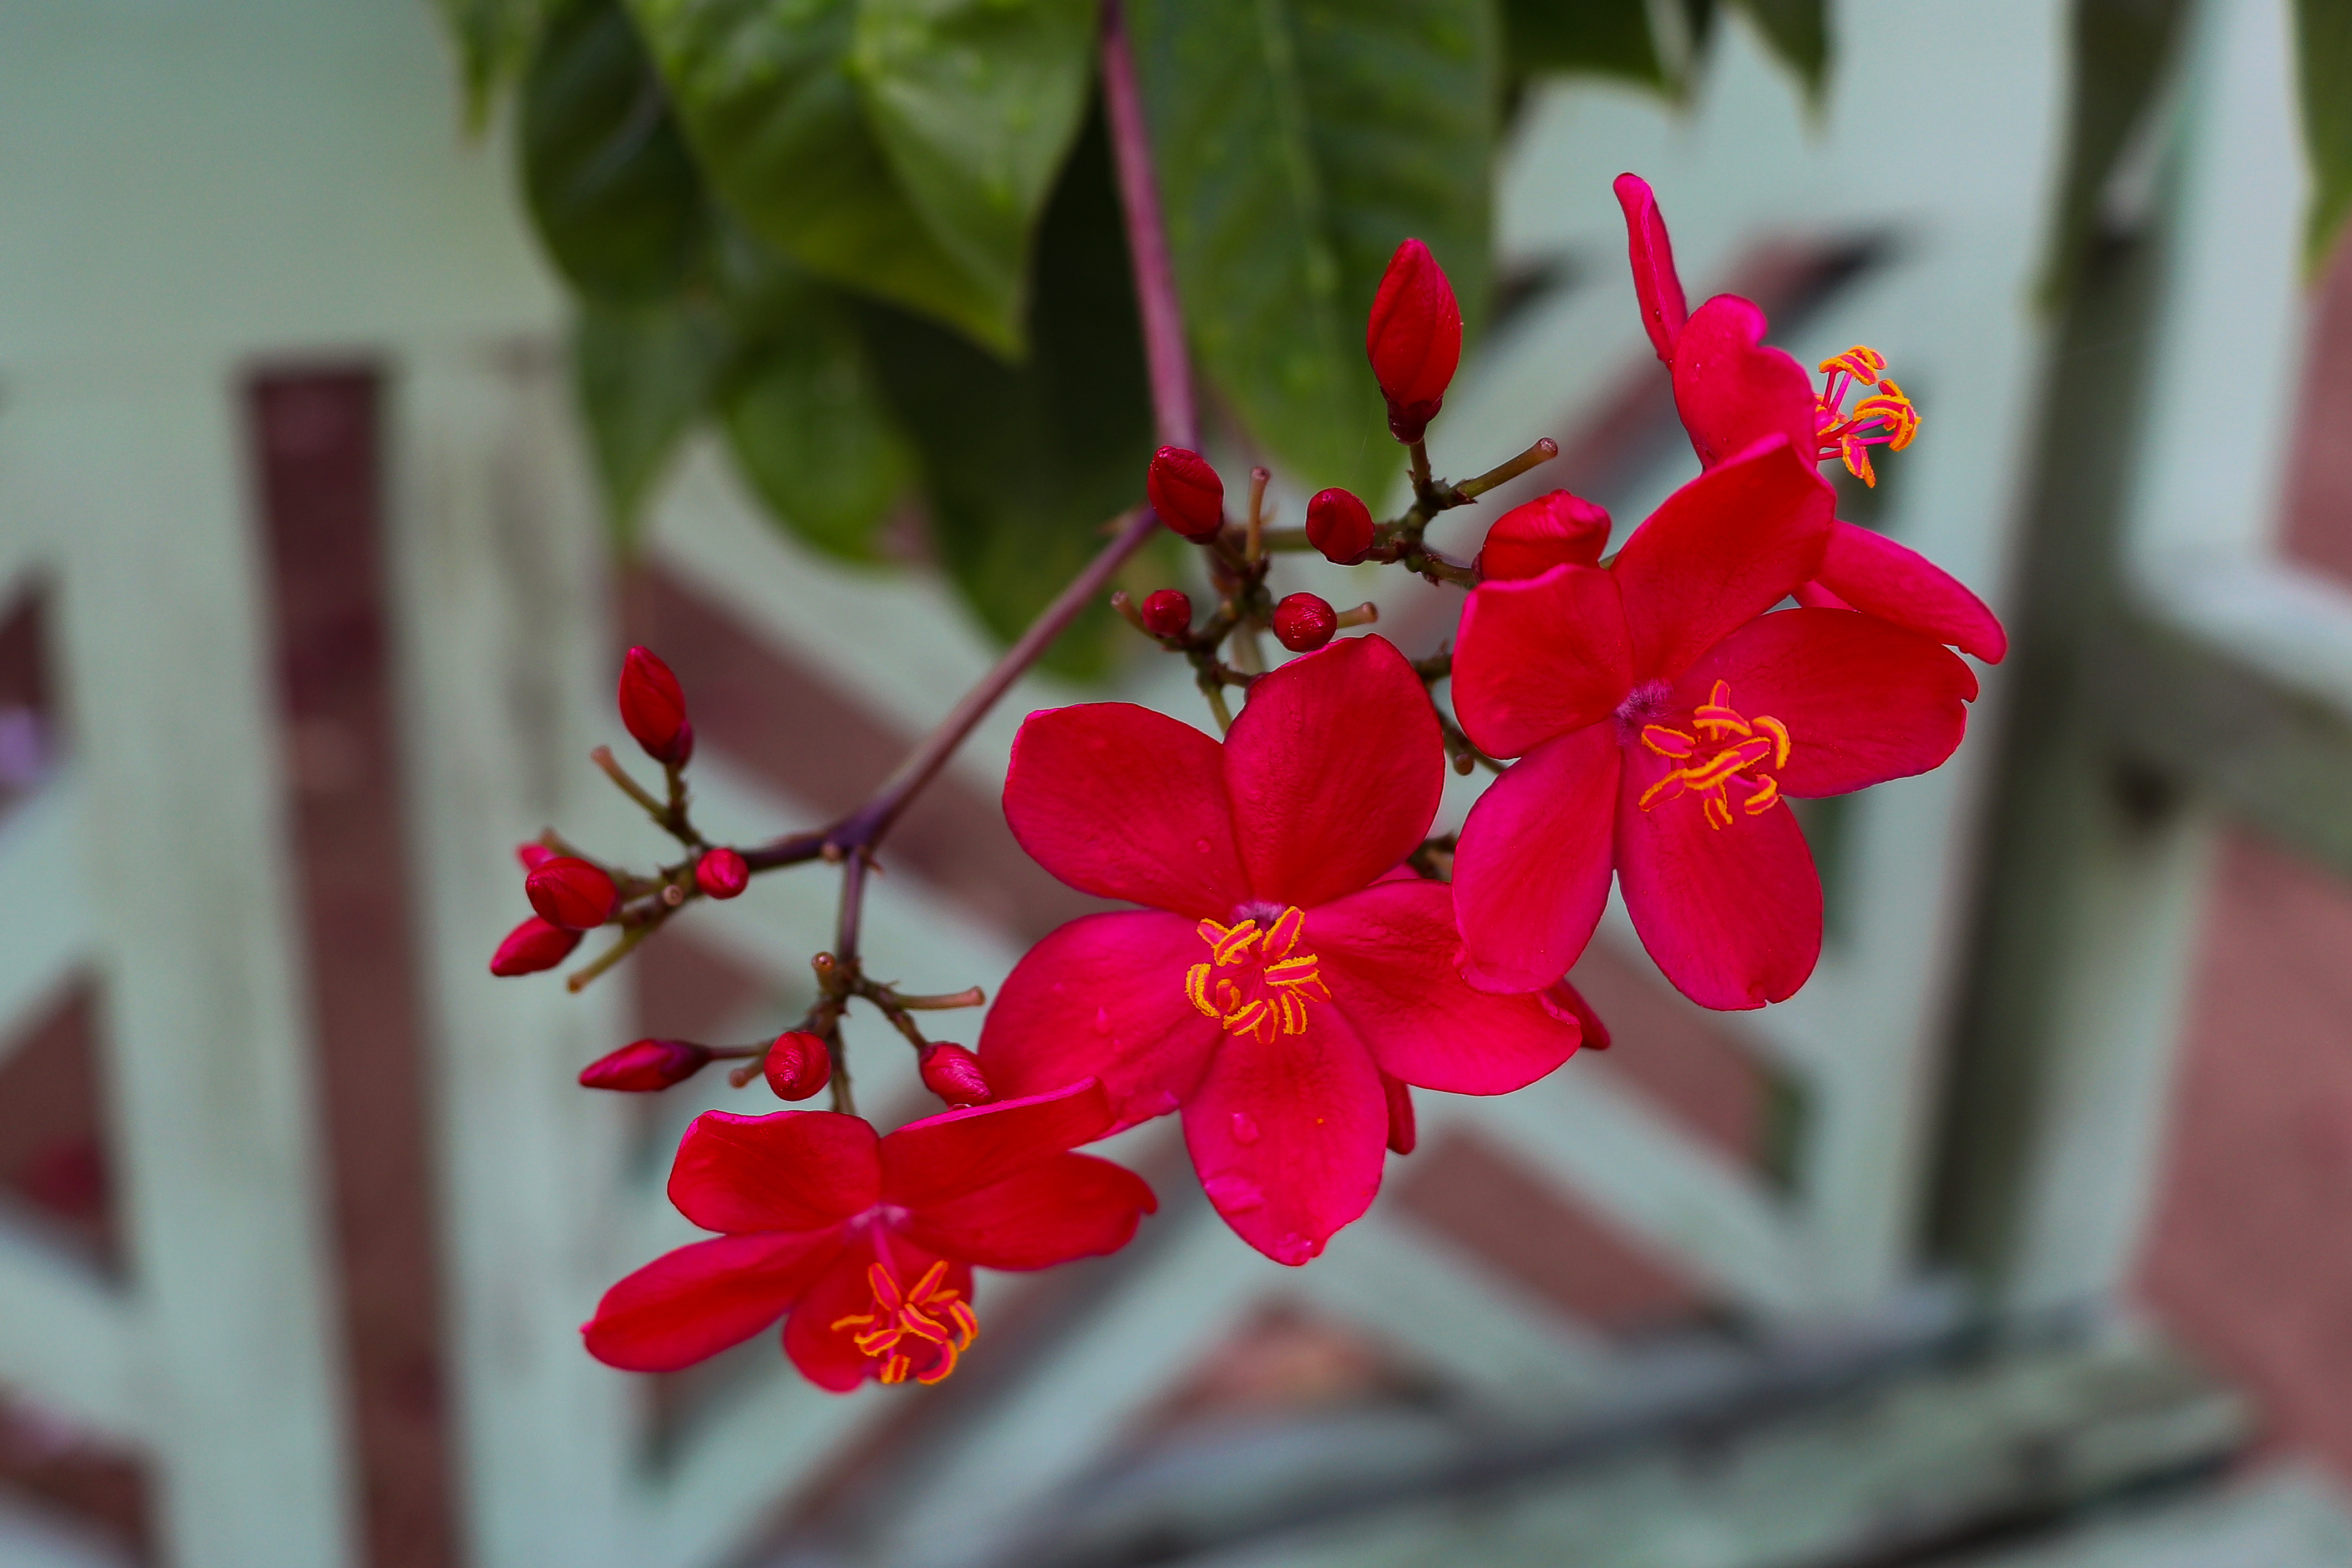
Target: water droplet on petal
[(1234, 1193), (1245, 1127), (1201, 845), (1102, 1021), (1294, 1249)]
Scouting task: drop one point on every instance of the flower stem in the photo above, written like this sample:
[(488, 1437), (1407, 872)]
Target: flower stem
[(1147, 238)]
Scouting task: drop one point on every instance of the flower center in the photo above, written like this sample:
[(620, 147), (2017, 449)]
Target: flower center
[(1254, 981), (1730, 750), (1885, 416), (931, 1321)]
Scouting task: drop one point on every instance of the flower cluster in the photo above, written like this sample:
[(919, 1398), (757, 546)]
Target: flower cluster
[(1300, 952)]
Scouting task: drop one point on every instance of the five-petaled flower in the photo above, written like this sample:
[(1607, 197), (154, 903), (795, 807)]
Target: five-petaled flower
[(1661, 716), (1281, 985), (868, 1243), (1732, 391)]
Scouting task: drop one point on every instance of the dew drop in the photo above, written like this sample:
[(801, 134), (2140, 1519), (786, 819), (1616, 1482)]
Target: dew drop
[(1102, 1021), (1294, 1249), (1244, 1128), (1233, 1195), (1201, 845)]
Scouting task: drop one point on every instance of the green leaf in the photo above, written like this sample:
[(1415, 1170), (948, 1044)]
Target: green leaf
[(1024, 464), (643, 376), (612, 189), (803, 413), (975, 103), (2121, 48), (1799, 32), (2324, 45), (494, 39), (1298, 143), (1597, 38), (779, 119)]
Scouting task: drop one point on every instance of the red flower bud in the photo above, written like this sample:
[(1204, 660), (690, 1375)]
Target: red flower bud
[(953, 1074), (644, 1065), (1167, 612), (1304, 623), (1414, 338), (1530, 540), (798, 1065), (653, 707), (721, 873), (1186, 493), (569, 892), (1339, 526), (531, 946), (533, 856)]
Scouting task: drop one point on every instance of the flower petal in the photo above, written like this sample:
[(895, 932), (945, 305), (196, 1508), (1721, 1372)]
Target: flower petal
[(1538, 658), (1388, 955), (1122, 801), (1334, 767), (1732, 391), (1103, 998), (1565, 1001), (1878, 576), (1720, 551), (957, 1152), (1289, 1136), (1531, 872), (789, 1170), (1402, 1139), (1731, 915), (703, 1298), (1655, 282), (1864, 701), (1072, 1205), (1550, 530)]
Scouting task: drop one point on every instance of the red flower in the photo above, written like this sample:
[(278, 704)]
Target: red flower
[(1732, 391), (1660, 714), (722, 873), (653, 708), (1276, 978), (571, 893), (531, 946), (867, 1243), (1414, 339), (1186, 493), (645, 1066), (1339, 526), (1531, 538)]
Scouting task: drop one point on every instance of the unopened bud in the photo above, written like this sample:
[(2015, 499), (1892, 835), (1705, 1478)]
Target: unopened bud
[(721, 873), (653, 707), (1414, 339), (1304, 623), (798, 1065), (1530, 540), (644, 1065), (953, 1074), (531, 946), (570, 891), (1339, 526), (533, 856), (1186, 493), (1167, 612)]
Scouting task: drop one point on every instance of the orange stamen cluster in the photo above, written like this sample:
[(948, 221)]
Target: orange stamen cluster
[(1885, 416), (900, 1315), (1729, 748), (1269, 993)]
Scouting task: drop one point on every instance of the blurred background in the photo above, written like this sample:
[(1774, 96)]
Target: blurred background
[(2017, 1238)]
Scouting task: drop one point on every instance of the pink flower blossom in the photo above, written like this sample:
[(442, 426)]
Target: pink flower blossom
[(1732, 391), (1661, 716), (1279, 986), (865, 1246)]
